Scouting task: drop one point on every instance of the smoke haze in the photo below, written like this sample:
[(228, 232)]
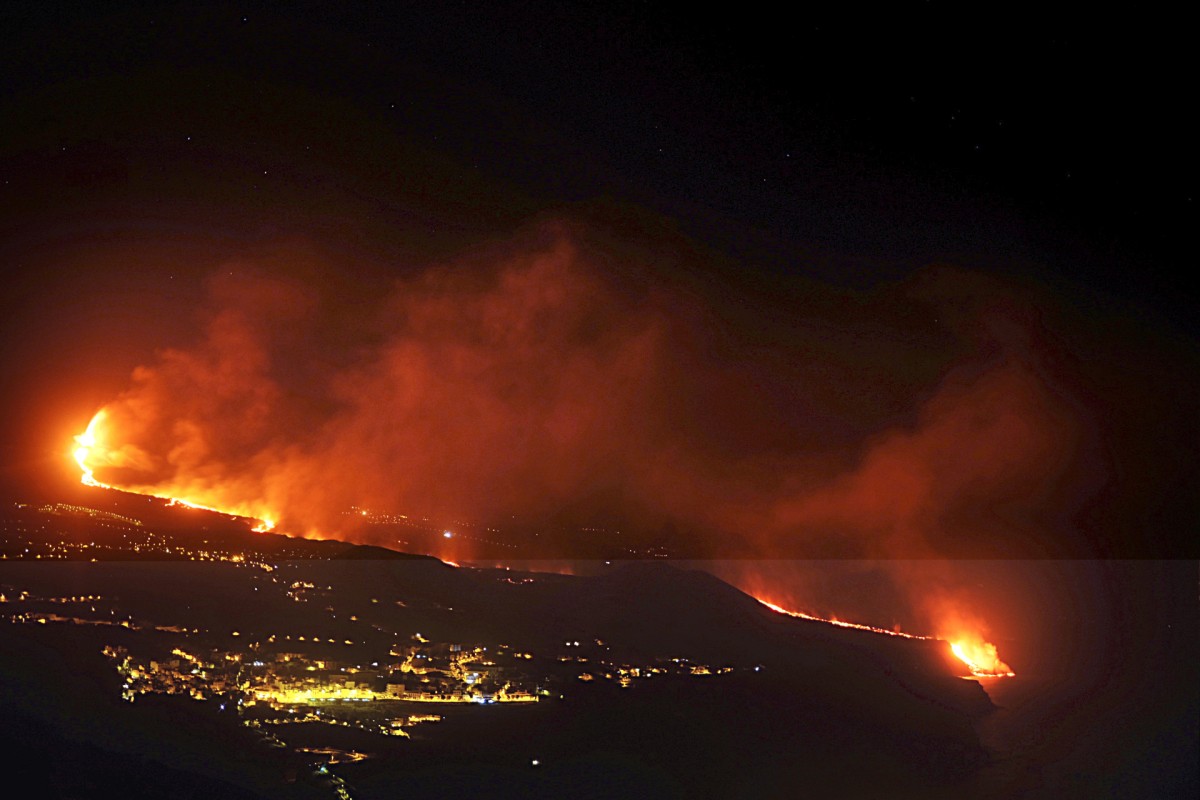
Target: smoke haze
[(565, 379)]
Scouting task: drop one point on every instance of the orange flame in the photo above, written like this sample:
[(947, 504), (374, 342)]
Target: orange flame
[(92, 451), (981, 657)]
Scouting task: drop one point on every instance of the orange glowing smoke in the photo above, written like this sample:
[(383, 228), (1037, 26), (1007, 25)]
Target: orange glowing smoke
[(535, 381), (563, 378), (981, 658), (93, 451)]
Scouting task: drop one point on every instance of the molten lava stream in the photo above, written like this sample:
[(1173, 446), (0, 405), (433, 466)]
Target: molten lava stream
[(89, 445), (981, 657)]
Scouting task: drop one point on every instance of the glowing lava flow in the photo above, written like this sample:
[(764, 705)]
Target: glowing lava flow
[(981, 658), (89, 445), (86, 442), (842, 624)]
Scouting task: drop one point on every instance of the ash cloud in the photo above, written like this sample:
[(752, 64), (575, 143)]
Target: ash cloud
[(563, 378)]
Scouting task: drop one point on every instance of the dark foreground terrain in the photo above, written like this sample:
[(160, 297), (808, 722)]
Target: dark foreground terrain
[(151, 661), (187, 664)]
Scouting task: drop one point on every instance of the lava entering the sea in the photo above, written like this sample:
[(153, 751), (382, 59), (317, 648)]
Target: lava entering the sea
[(981, 657)]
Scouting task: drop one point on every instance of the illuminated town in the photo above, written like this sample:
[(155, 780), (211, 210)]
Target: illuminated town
[(327, 655), (332, 670)]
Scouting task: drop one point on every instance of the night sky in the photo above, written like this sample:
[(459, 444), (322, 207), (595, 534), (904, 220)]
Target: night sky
[(912, 280)]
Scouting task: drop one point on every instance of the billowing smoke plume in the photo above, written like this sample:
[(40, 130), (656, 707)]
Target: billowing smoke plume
[(562, 381)]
